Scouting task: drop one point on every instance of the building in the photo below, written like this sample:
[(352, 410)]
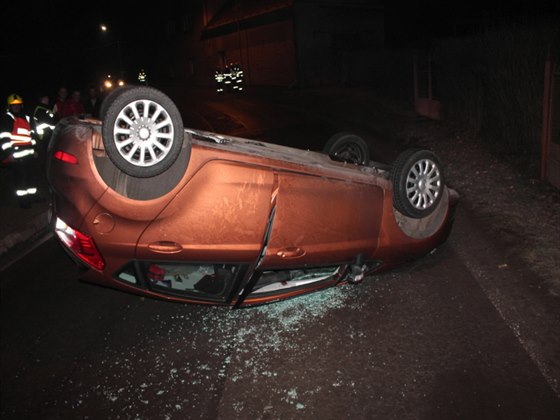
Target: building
[(275, 42)]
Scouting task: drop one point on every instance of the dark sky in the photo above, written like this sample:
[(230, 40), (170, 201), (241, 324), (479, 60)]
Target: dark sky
[(433, 18), (55, 43), (63, 21), (45, 33)]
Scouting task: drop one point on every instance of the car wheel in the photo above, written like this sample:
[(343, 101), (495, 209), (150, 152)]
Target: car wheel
[(143, 132), (418, 182), (348, 147)]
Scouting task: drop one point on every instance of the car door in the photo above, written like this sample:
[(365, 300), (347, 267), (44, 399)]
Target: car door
[(320, 220), (220, 215)]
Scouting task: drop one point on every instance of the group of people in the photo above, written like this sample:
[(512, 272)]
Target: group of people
[(229, 79), (24, 136), (73, 104)]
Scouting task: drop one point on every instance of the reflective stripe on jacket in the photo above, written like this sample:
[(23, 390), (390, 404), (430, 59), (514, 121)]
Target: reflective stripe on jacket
[(21, 131), (16, 138)]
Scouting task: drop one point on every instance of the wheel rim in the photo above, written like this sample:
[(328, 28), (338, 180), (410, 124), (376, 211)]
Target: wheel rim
[(349, 152), (143, 133), (423, 184)]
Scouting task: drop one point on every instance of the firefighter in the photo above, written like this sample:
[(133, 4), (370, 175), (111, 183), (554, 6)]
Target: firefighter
[(227, 78), (232, 76), (237, 78), (43, 116), (17, 142), (142, 77), (219, 78)]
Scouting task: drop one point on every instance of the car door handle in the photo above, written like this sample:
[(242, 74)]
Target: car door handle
[(291, 252), (165, 247)]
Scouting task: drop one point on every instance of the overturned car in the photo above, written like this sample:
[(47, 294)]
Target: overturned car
[(146, 206)]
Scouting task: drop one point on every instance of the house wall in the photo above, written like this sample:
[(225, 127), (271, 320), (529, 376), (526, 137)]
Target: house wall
[(265, 53), (318, 43), (270, 55), (329, 35)]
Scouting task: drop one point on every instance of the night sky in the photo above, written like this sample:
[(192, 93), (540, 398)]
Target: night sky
[(47, 44), (61, 44)]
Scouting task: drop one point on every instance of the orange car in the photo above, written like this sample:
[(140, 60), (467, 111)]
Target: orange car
[(146, 206)]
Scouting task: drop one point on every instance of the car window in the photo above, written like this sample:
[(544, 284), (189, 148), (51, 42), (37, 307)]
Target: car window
[(196, 280)]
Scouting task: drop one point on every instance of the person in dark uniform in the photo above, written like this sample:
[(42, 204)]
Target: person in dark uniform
[(44, 119), (92, 103)]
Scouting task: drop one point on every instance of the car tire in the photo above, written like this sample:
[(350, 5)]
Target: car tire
[(109, 98), (348, 147), (143, 132), (418, 183)]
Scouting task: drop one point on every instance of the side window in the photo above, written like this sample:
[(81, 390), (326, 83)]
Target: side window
[(189, 280), (274, 281)]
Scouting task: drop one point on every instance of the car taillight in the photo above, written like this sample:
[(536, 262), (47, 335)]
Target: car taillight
[(66, 157), (81, 245)]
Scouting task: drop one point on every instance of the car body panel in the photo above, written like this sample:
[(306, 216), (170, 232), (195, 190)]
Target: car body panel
[(344, 218), (224, 222)]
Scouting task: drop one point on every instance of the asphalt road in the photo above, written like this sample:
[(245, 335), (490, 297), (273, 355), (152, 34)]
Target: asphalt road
[(420, 342), (435, 339)]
